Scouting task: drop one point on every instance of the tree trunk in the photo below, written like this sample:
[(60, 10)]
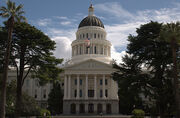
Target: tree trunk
[(20, 83), (175, 81), (5, 68)]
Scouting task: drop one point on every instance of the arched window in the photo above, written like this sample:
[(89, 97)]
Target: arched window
[(81, 108), (95, 35), (99, 108), (91, 108), (108, 108), (73, 108)]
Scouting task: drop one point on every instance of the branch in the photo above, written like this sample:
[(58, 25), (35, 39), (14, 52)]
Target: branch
[(26, 74)]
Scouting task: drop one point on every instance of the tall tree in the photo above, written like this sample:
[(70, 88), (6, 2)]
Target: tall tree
[(155, 58), (170, 33), (32, 51), (130, 81), (13, 13), (55, 99)]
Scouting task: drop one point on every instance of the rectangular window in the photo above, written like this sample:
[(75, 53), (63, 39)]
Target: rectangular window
[(44, 93), (35, 96), (94, 35), (80, 81), (90, 93), (101, 82), (80, 93), (75, 81), (87, 35), (101, 93), (75, 93), (106, 82), (106, 93)]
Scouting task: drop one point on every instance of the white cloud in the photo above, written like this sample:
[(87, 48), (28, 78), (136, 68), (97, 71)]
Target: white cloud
[(65, 23), (113, 8), (44, 22)]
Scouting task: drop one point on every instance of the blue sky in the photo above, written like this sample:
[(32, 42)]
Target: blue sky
[(59, 19)]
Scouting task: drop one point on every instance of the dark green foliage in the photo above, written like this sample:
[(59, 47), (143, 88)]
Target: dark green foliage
[(151, 68), (32, 51), (3, 38), (55, 99), (29, 105), (130, 81)]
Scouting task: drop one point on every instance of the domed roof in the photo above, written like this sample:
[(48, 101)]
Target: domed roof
[(91, 21)]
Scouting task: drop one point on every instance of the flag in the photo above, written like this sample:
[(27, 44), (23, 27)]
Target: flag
[(87, 42)]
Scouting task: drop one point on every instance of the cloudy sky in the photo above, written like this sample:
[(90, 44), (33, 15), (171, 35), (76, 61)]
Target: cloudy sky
[(59, 19)]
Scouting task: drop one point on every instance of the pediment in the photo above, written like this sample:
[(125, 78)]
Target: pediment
[(90, 64)]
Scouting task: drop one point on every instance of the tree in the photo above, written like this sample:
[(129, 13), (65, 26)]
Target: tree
[(12, 13), (170, 33), (32, 52), (130, 82), (154, 58), (55, 99)]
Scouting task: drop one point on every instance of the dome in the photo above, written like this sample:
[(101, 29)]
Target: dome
[(91, 21)]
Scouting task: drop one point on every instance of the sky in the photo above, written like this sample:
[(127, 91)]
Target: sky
[(59, 19)]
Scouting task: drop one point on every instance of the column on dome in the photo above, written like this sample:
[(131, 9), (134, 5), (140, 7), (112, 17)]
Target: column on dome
[(65, 86), (86, 90), (77, 87), (69, 87), (104, 86), (95, 87), (103, 50)]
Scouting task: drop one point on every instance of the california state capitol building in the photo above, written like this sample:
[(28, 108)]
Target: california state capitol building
[(88, 84)]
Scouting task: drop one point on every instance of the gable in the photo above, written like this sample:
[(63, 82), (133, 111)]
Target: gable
[(90, 65)]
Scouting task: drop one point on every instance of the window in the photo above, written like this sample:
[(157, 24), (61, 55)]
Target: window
[(98, 36), (80, 93), (87, 35), (94, 49), (106, 93), (101, 81), (75, 93), (80, 81), (90, 93), (44, 93), (75, 81), (35, 96), (101, 93), (80, 36), (83, 35), (82, 108), (101, 36), (94, 35), (106, 82)]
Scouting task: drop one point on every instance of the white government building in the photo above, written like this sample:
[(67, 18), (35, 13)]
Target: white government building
[(88, 84)]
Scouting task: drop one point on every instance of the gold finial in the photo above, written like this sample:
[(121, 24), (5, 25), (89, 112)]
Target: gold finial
[(91, 9)]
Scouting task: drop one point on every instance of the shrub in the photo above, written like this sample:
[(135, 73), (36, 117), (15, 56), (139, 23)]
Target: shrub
[(138, 113)]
